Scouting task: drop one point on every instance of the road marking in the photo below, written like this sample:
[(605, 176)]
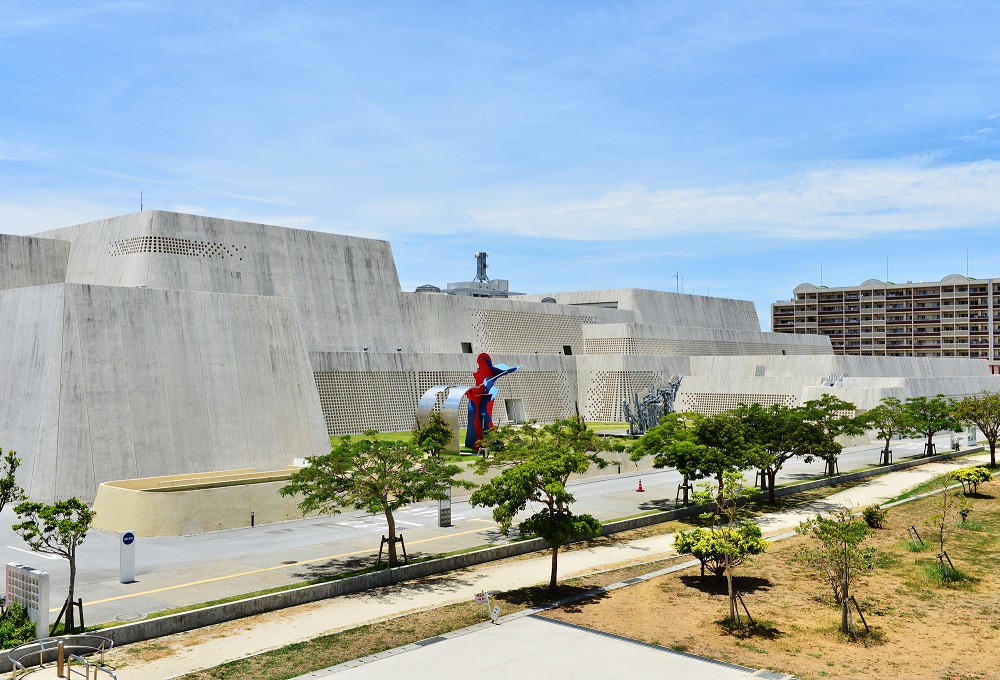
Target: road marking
[(44, 557), (267, 569), (412, 524)]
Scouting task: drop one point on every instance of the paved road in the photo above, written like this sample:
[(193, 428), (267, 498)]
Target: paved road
[(185, 570)]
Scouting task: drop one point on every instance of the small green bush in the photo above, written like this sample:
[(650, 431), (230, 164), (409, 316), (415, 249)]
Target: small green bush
[(874, 516), (971, 478), (711, 546), (15, 628)]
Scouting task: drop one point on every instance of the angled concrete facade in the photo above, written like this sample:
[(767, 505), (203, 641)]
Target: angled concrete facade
[(159, 343)]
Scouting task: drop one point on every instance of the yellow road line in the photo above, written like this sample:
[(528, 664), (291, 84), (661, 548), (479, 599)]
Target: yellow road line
[(265, 569)]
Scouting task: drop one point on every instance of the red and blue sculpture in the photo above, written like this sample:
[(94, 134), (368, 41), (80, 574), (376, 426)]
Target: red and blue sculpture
[(481, 398)]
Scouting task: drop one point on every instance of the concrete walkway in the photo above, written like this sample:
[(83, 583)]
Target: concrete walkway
[(214, 645)]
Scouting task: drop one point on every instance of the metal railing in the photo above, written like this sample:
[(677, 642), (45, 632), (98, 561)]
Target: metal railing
[(85, 673), (59, 650)]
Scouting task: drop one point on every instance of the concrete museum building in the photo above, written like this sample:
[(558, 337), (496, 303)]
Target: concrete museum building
[(159, 343)]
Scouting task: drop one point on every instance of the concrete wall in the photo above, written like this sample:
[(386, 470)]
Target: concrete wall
[(605, 380), (617, 338), (852, 366), (192, 504), (661, 308), (719, 383), (436, 322), (29, 261), (107, 383), (366, 390), (345, 287)]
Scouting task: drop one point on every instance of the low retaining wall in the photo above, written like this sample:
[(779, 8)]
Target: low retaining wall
[(177, 623), (194, 503)]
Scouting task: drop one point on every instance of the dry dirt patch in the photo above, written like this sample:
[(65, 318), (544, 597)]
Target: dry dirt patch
[(923, 628)]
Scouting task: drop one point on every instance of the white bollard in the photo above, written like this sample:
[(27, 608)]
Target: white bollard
[(126, 563)]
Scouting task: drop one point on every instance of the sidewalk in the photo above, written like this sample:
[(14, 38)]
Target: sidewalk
[(214, 645)]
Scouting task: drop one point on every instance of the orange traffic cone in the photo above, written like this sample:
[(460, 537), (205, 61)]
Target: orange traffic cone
[(640, 489)]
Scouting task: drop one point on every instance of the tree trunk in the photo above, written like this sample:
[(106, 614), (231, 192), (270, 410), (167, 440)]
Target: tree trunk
[(70, 619), (885, 452), (732, 595), (845, 601), (929, 449), (392, 537), (553, 579), (993, 452), (771, 474)]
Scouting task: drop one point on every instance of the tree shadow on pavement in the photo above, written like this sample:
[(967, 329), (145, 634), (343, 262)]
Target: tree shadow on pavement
[(540, 596), (657, 504)]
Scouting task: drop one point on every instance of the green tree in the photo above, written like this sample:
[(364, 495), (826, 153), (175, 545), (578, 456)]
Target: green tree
[(368, 474), (928, 416), (837, 418), (983, 411), (10, 491), (698, 446), (672, 444), (729, 542), (57, 529), (435, 436), (535, 463), (777, 433), (889, 420), (838, 555)]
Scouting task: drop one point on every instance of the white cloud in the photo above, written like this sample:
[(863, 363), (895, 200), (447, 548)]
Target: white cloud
[(833, 203)]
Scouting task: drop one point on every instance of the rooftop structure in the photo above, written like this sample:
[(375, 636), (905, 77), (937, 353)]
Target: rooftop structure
[(482, 286)]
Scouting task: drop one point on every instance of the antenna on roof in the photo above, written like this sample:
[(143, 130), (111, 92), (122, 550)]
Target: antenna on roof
[(481, 267), (140, 200)]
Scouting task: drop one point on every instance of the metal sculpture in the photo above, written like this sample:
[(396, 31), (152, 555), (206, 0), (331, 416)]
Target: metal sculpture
[(643, 415), (480, 396)]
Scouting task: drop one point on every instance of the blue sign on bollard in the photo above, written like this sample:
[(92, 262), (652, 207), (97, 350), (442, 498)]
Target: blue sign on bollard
[(126, 564)]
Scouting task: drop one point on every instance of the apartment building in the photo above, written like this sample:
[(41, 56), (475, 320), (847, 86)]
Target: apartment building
[(956, 317)]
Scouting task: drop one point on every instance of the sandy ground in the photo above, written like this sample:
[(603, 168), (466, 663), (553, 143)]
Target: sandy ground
[(176, 655), (925, 630)]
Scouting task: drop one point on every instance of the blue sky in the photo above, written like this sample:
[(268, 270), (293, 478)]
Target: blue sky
[(583, 144)]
